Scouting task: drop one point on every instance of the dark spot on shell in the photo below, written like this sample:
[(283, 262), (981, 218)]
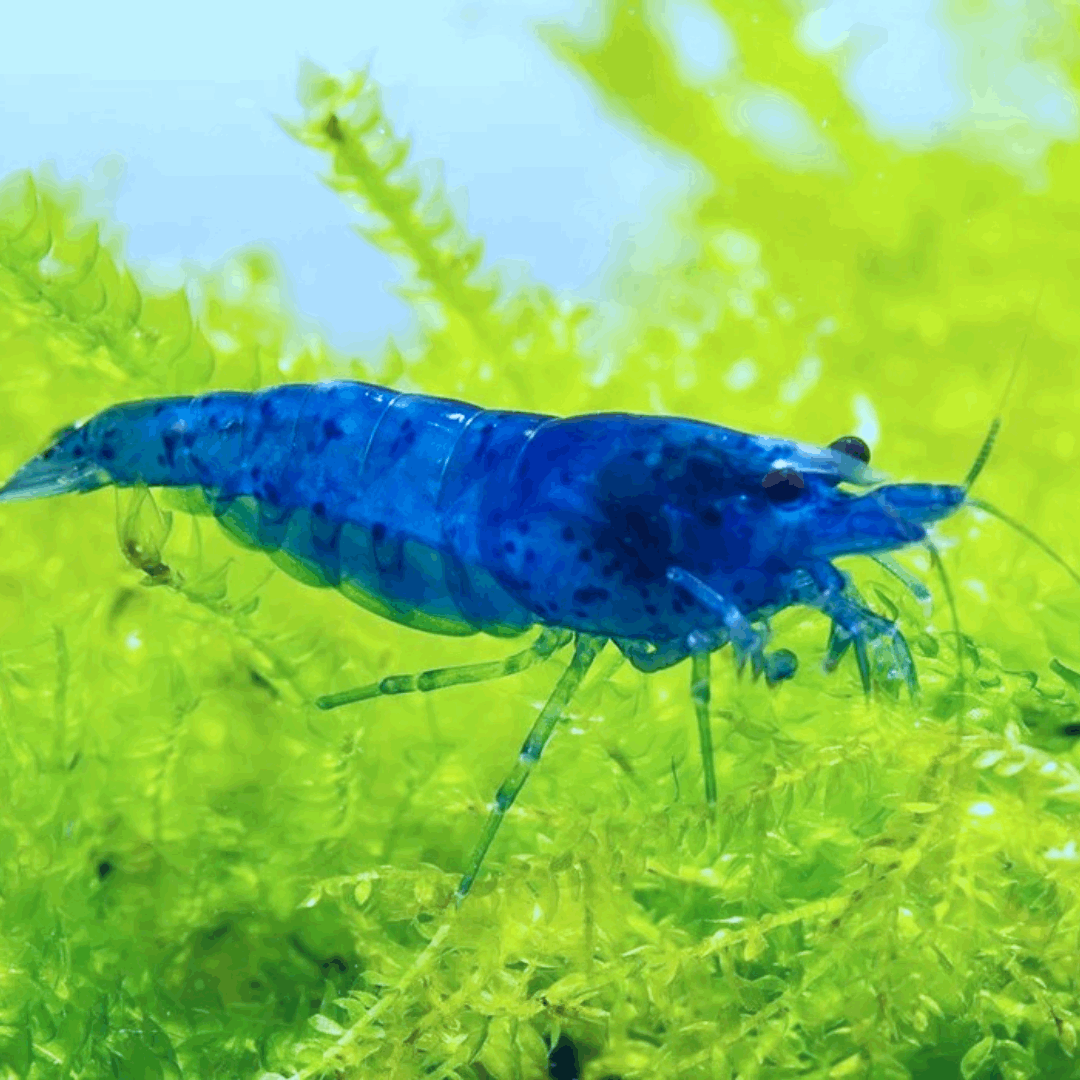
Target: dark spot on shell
[(650, 609), (585, 555), (705, 478), (510, 546), (567, 533), (378, 532), (530, 556), (332, 429), (638, 536), (189, 438), (404, 438), (319, 509), (169, 440), (591, 594)]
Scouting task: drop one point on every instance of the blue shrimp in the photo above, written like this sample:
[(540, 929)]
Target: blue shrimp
[(668, 537)]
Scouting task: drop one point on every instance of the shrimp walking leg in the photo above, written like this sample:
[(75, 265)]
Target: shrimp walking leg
[(649, 657), (747, 640), (698, 645), (548, 642), (855, 626), (700, 692), (586, 649)]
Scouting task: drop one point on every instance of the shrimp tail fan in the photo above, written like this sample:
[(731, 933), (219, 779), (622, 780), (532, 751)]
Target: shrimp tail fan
[(62, 468)]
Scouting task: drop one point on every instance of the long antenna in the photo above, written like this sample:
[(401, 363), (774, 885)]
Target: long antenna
[(939, 565), (988, 445), (1023, 530), (983, 455)]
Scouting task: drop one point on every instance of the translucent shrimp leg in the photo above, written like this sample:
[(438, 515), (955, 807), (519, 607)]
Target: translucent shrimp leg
[(648, 657), (586, 649), (547, 643), (700, 693), (873, 637)]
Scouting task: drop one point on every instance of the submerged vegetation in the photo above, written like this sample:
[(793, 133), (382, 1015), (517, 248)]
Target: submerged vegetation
[(203, 876)]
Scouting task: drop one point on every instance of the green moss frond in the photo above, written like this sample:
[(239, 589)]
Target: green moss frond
[(347, 121), (474, 325), (56, 274)]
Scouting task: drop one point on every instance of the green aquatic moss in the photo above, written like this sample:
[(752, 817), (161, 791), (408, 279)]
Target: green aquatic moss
[(203, 876)]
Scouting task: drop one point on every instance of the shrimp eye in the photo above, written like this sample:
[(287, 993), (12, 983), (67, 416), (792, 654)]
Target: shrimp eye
[(783, 486), (853, 446)]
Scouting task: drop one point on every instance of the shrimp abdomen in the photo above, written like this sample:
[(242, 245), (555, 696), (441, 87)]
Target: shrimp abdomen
[(344, 484)]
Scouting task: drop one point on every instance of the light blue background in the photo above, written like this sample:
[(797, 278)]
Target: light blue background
[(168, 112)]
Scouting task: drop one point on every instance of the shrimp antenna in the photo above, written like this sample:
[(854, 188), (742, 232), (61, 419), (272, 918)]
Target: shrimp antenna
[(987, 446), (950, 599), (906, 578), (1024, 531), (983, 456)]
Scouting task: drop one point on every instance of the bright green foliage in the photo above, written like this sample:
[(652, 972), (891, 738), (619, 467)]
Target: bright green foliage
[(203, 876)]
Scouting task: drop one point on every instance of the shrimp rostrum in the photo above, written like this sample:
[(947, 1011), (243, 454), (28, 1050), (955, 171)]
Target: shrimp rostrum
[(668, 537)]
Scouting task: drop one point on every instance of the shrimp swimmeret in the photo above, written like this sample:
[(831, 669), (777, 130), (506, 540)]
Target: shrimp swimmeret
[(668, 537)]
